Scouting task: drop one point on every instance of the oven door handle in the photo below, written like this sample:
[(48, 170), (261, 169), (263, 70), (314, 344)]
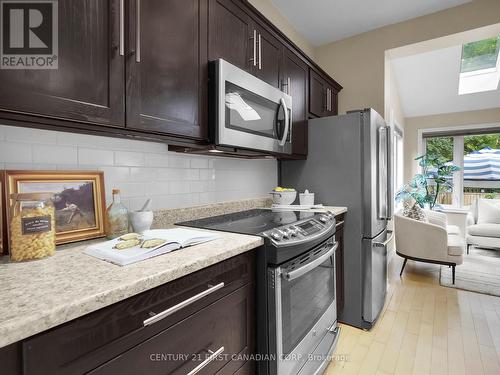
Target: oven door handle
[(287, 123), (292, 275)]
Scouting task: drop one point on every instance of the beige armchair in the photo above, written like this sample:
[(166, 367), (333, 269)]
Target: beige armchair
[(431, 242)]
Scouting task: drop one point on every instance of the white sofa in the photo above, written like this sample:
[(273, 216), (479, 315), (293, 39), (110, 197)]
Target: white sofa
[(431, 242), (483, 224)]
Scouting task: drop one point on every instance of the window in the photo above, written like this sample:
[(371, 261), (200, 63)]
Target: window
[(478, 156), (480, 66)]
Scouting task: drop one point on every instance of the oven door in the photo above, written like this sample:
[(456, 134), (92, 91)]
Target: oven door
[(251, 113), (304, 306)]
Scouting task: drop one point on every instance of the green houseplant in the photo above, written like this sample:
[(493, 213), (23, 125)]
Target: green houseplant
[(425, 187)]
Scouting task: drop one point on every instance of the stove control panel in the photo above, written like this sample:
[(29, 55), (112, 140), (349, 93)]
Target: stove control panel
[(301, 230)]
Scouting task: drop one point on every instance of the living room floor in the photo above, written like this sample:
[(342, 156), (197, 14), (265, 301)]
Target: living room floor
[(424, 329)]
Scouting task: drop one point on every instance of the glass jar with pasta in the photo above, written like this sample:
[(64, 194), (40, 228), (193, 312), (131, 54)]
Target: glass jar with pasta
[(32, 226)]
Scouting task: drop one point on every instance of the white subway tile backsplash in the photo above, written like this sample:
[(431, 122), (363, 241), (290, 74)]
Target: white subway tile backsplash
[(28, 135), (55, 154), (143, 174), (198, 186), (131, 189), (157, 188), (116, 174), (131, 159), (179, 187), (173, 174), (140, 169), (157, 160), (88, 156), (199, 162), (207, 174), (175, 161), (12, 152)]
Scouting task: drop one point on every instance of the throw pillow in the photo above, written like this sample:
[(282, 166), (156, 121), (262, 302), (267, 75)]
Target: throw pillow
[(413, 211), (488, 211)]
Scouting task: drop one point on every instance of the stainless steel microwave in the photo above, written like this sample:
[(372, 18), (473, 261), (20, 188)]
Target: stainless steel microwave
[(248, 113)]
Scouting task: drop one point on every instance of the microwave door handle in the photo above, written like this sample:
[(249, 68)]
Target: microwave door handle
[(292, 275), (287, 123), (390, 174)]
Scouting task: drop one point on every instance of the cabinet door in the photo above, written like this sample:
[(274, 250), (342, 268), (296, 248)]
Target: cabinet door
[(224, 329), (294, 82), (317, 94), (166, 71), (269, 53), (229, 33), (88, 84)]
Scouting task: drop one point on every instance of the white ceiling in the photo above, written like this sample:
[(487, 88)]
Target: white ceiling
[(324, 21), (428, 84)]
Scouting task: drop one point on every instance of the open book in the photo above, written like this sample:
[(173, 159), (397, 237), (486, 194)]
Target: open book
[(175, 239)]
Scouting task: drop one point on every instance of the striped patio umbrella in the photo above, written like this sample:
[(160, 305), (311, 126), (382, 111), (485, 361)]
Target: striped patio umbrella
[(482, 165)]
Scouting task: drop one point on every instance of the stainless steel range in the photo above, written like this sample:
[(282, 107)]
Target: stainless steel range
[(296, 300)]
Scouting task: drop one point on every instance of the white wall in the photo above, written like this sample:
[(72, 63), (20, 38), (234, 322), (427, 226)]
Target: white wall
[(358, 62), (139, 169), (269, 10)]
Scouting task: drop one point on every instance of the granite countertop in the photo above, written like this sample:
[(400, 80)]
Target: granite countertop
[(42, 294)]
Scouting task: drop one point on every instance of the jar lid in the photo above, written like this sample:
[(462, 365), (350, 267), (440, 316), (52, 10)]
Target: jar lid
[(32, 196)]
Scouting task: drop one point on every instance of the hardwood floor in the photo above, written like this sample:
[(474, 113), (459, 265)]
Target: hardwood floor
[(424, 329)]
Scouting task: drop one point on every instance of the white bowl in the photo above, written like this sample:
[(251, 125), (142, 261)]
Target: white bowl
[(141, 220), (284, 197)]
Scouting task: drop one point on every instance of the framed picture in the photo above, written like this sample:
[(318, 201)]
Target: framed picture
[(78, 200), (3, 217)]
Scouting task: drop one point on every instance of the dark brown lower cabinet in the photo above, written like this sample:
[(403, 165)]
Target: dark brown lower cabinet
[(223, 328), (339, 260), (115, 340)]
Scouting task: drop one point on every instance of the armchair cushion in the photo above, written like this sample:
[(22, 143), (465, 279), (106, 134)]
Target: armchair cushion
[(488, 211), (456, 245), (484, 230), (453, 229), (437, 218)]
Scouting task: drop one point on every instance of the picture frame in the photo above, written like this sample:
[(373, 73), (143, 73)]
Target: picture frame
[(79, 200), (4, 244)]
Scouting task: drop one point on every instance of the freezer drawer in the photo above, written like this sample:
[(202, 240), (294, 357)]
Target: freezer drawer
[(374, 276)]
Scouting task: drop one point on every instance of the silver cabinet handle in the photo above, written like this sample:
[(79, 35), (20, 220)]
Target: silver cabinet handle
[(260, 52), (138, 32), (289, 86), (310, 266), (254, 38), (157, 317), (384, 244), (122, 27), (204, 364), (329, 99)]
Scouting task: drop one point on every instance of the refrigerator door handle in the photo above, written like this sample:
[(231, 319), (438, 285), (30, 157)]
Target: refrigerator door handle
[(382, 173), (390, 175)]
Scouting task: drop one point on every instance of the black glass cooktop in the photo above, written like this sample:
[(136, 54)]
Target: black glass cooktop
[(249, 222)]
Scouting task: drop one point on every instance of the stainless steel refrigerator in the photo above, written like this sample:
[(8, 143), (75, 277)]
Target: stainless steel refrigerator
[(349, 163)]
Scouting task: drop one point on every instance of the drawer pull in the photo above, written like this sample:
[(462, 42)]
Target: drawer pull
[(204, 364), (156, 317)]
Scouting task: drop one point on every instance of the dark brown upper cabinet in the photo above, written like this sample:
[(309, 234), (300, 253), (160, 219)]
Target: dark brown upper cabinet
[(229, 34), (88, 85), (322, 95), (266, 60), (166, 68), (294, 82)]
